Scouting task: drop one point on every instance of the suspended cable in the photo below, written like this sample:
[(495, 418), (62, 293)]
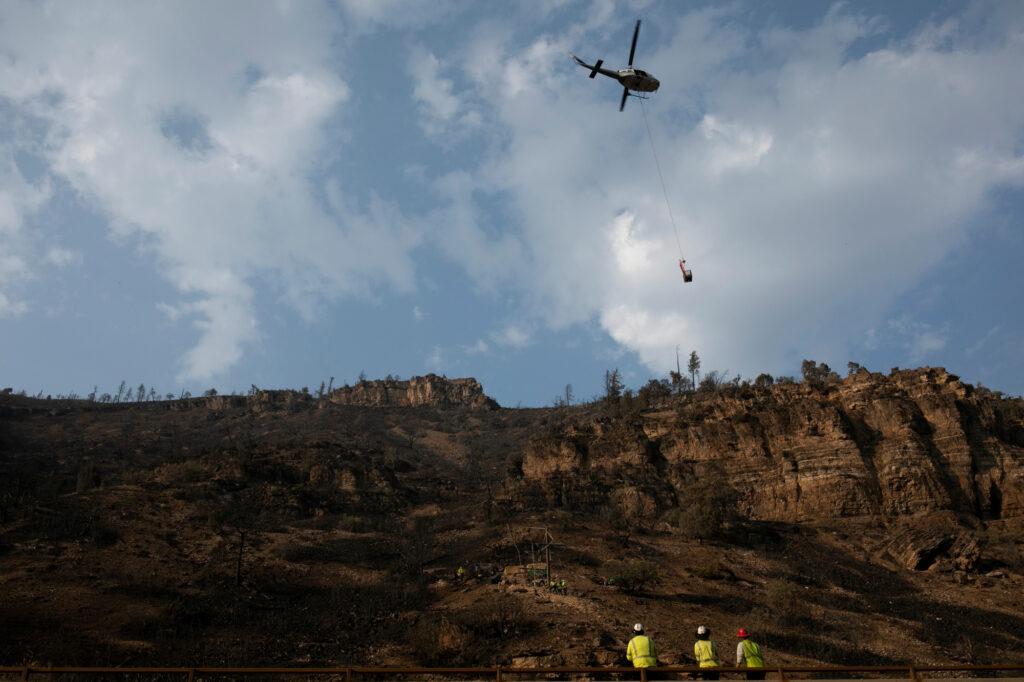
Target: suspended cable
[(661, 177)]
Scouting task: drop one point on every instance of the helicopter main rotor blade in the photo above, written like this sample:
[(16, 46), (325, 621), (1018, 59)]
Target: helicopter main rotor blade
[(632, 49), (625, 94)]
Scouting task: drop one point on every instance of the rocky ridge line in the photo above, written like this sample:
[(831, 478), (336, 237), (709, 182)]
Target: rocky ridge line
[(911, 444)]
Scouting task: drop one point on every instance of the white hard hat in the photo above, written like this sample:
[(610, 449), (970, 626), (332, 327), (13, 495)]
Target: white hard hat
[(702, 630), (639, 627)]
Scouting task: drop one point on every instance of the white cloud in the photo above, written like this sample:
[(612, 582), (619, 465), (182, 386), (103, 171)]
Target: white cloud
[(980, 343), (19, 200), (633, 255), (435, 361), (461, 231), (11, 308), (927, 342), (804, 183), (649, 333), (226, 324), (732, 146), (401, 14), (512, 336), (917, 339), (477, 348), (61, 257), (171, 312), (418, 314), (207, 153), (438, 106)]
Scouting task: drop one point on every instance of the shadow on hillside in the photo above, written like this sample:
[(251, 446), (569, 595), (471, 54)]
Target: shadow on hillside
[(826, 649), (265, 619), (372, 552), (880, 591)]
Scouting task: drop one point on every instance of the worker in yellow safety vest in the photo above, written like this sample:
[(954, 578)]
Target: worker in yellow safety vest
[(750, 654), (706, 654), (641, 650)]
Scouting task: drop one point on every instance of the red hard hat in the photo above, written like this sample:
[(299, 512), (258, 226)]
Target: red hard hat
[(741, 633)]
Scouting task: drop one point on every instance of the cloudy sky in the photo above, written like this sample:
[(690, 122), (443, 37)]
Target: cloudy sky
[(199, 195)]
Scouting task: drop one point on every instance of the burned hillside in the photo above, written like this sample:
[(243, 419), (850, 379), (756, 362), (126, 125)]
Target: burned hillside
[(870, 520)]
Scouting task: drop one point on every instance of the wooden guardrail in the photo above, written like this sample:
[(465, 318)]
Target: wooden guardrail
[(914, 673)]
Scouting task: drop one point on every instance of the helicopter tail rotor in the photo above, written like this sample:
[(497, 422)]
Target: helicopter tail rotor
[(596, 67)]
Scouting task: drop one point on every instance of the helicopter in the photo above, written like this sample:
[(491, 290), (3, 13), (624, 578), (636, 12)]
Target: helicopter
[(630, 78)]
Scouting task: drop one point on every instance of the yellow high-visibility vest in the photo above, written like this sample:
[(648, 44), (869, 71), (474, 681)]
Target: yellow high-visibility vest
[(705, 653), (752, 654), (642, 652)]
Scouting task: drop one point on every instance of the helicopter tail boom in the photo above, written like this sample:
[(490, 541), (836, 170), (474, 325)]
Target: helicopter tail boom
[(595, 68)]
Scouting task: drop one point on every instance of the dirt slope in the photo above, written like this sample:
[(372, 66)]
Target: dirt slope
[(246, 531)]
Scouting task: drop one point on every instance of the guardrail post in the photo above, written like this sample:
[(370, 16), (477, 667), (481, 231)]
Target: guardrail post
[(913, 675), (25, 672), (497, 674), (348, 674), (782, 675), (191, 674), (643, 674)]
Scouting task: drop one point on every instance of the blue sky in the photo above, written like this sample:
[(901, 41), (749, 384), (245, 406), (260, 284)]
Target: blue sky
[(197, 195)]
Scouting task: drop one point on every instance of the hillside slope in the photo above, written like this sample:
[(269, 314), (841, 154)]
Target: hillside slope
[(873, 520)]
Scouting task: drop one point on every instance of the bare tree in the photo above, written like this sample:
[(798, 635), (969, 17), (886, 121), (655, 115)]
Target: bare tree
[(612, 385), (242, 517)]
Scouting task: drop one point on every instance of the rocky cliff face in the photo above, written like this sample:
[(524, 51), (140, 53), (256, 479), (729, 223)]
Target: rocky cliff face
[(430, 390), (913, 442), (426, 391)]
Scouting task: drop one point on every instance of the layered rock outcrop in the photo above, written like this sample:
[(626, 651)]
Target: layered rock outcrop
[(430, 390), (426, 391), (912, 442)]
